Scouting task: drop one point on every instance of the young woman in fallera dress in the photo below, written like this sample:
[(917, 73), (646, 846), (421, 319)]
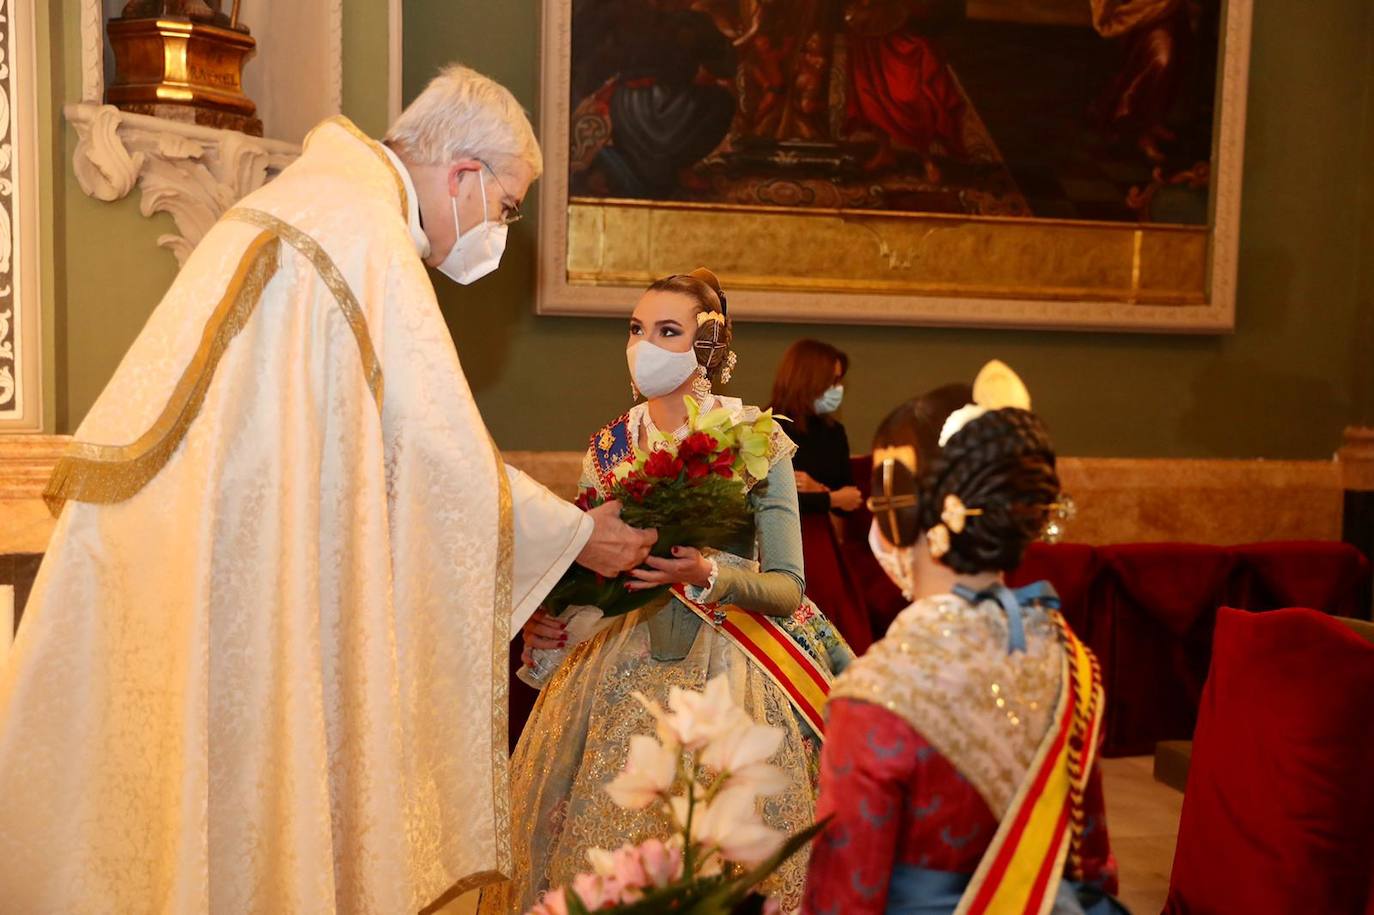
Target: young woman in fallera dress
[(959, 766), (577, 737)]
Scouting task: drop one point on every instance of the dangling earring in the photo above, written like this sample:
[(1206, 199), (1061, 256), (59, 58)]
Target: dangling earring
[(634, 392), (701, 385), (728, 372)]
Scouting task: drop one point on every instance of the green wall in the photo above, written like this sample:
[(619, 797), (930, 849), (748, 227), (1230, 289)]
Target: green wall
[(1295, 372), (108, 271), (1283, 386)]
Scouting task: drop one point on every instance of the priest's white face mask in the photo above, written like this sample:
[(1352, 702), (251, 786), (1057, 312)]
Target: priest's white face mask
[(477, 251)]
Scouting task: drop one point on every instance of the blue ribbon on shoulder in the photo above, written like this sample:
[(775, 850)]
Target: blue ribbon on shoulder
[(1013, 602)]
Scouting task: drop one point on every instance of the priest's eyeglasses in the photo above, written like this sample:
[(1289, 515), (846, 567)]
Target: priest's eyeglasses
[(510, 207)]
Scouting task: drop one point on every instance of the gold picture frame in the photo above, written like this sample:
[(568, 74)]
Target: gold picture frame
[(866, 266)]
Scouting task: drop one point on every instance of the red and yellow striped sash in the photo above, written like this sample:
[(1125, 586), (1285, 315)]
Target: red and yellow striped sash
[(765, 642), (1020, 872)]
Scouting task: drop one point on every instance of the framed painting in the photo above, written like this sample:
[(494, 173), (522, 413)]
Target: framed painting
[(1015, 163)]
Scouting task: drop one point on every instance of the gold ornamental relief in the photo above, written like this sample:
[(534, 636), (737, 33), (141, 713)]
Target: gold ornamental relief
[(183, 60), (618, 242)]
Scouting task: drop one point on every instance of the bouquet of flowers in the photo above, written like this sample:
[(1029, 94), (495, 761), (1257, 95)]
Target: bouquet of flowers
[(693, 492), (703, 773)]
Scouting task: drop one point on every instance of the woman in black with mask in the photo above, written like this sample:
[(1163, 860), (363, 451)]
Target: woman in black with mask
[(808, 391)]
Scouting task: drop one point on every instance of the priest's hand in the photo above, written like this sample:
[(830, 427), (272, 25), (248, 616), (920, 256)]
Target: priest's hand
[(614, 547), (687, 567)]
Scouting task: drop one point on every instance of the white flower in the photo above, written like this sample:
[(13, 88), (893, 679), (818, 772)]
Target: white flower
[(698, 718), (741, 746), (742, 755), (731, 824), (763, 779), (650, 770), (667, 733), (958, 420), (602, 862)]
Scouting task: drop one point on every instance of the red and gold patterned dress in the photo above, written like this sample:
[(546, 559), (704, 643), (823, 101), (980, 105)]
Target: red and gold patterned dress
[(930, 737)]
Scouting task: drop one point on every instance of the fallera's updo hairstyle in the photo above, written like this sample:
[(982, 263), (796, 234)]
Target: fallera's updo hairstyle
[(1000, 466), (713, 336)]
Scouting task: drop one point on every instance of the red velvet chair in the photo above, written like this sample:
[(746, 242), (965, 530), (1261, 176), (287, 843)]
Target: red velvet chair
[(1324, 575), (829, 584), (1278, 816), (1155, 606), (881, 598)]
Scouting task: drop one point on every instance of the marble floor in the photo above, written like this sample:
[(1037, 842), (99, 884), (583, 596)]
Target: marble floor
[(1142, 815)]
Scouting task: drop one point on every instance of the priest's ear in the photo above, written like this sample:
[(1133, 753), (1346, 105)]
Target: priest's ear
[(456, 172)]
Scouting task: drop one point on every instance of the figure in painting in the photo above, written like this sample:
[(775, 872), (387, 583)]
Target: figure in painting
[(660, 77), (902, 93), (940, 106), (1156, 39)]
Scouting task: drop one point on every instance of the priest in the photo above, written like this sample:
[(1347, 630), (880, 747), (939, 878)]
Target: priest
[(263, 667)]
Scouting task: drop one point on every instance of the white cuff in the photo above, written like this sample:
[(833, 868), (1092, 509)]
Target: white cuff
[(703, 595)]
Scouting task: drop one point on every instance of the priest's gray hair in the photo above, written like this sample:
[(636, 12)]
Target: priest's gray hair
[(465, 115)]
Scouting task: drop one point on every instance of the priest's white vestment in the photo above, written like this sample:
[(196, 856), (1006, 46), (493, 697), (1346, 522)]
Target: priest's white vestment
[(264, 664)]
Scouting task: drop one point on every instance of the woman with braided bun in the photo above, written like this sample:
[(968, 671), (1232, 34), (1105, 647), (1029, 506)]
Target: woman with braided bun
[(959, 770), (577, 738)]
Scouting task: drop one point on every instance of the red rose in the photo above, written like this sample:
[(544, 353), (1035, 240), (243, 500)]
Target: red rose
[(698, 444), (724, 465), (587, 499), (635, 488), (698, 469), (664, 465)]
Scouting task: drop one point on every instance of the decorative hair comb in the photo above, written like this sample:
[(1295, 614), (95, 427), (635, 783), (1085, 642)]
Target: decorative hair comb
[(885, 507), (996, 387)]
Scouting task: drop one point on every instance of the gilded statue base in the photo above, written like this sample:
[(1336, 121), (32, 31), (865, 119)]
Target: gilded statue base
[(182, 70)]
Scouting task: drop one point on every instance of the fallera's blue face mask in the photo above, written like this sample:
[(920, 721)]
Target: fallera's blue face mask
[(830, 401)]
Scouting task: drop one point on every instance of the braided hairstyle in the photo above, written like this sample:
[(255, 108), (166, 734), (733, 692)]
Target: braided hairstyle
[(713, 338), (1001, 464)]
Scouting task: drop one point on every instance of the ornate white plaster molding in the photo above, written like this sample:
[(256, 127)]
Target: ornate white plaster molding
[(21, 228), (194, 173)]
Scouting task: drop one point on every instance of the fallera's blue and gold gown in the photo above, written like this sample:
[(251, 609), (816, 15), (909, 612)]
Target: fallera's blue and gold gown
[(577, 736)]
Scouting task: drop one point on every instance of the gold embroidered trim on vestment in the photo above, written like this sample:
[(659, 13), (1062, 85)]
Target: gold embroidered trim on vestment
[(339, 120), (500, 661), (463, 887), (500, 691), (334, 280), (113, 473)]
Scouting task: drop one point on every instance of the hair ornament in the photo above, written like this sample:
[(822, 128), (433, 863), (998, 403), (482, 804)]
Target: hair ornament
[(997, 387), (1061, 513), (955, 514), (704, 316), (729, 370), (885, 506), (937, 538)]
